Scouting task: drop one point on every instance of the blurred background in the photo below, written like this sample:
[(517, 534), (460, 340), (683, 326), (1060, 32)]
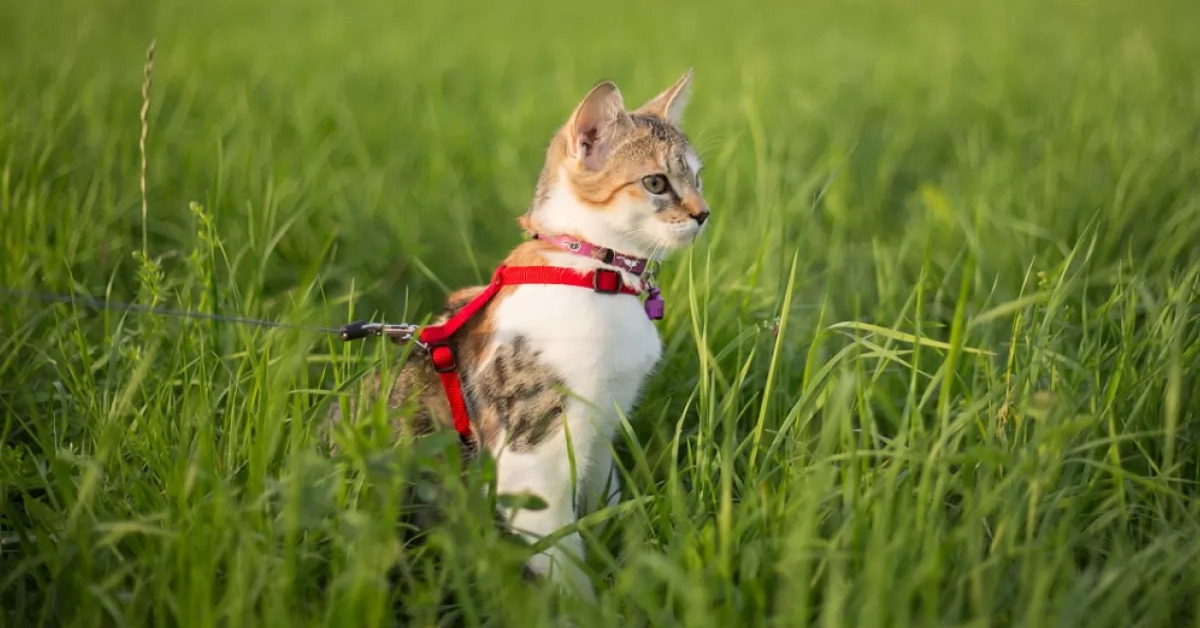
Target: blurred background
[(363, 141), (1013, 182)]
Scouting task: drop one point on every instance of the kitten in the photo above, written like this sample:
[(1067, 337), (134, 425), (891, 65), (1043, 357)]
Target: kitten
[(538, 357)]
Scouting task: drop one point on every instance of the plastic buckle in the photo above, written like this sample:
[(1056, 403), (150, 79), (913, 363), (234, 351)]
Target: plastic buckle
[(606, 281), (443, 359)]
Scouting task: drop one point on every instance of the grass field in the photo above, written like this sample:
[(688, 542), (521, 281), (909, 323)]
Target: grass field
[(936, 361)]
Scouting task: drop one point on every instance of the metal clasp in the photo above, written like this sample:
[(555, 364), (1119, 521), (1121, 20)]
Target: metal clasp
[(399, 333), (403, 333)]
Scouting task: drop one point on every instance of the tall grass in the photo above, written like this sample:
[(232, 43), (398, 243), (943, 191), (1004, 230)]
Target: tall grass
[(935, 363)]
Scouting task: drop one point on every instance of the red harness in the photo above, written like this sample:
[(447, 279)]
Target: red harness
[(437, 337)]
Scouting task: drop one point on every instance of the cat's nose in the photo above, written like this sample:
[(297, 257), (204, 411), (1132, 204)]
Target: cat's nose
[(700, 217)]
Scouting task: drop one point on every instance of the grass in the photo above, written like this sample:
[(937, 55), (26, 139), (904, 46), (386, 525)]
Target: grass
[(935, 363)]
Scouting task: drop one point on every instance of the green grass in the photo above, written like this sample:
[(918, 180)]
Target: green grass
[(974, 226)]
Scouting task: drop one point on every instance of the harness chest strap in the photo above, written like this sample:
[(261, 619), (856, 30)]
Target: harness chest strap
[(437, 337)]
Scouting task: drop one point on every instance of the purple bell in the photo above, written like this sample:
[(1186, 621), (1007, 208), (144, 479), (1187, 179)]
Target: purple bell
[(654, 304)]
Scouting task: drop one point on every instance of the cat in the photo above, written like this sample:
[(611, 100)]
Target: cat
[(619, 189)]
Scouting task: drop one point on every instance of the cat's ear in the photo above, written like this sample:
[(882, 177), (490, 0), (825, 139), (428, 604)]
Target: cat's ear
[(595, 124), (670, 104)]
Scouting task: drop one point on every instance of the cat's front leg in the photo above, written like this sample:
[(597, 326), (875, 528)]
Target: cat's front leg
[(544, 471), (602, 487)]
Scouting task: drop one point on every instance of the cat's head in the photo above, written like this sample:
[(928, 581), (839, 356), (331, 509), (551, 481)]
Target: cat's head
[(627, 180)]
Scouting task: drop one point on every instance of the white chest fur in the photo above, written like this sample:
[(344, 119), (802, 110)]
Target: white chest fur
[(602, 345)]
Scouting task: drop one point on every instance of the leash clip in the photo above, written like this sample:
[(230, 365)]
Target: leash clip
[(399, 333)]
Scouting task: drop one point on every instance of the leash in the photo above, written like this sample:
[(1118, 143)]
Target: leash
[(351, 331), (435, 339)]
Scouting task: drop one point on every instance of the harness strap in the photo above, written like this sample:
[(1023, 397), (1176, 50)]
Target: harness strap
[(437, 337)]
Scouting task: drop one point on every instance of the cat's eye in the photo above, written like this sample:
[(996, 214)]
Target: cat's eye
[(656, 184)]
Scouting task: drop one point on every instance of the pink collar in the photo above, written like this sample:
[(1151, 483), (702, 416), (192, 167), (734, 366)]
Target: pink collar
[(654, 303), (628, 263)]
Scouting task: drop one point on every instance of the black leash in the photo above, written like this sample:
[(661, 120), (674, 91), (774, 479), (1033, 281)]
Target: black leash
[(357, 330)]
